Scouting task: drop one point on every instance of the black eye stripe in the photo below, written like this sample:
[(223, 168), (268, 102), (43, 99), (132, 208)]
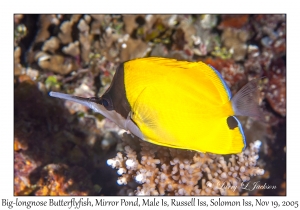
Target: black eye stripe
[(95, 100), (231, 122)]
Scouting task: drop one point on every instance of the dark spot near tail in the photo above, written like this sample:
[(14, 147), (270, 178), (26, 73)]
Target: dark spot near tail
[(231, 122)]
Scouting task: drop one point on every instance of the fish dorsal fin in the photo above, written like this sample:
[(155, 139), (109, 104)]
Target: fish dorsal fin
[(197, 75), (219, 83)]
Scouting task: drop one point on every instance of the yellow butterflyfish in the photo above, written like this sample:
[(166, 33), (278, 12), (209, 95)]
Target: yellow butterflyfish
[(178, 104)]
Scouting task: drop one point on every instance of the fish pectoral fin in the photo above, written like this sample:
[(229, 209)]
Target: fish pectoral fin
[(143, 112), (145, 115)]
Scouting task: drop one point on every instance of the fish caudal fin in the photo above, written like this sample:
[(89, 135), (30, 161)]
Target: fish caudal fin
[(245, 101)]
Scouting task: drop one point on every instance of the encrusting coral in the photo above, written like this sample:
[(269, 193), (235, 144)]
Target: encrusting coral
[(165, 171)]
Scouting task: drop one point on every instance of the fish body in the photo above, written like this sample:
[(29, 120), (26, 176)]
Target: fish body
[(177, 104)]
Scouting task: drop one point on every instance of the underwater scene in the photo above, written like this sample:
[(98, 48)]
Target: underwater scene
[(205, 116)]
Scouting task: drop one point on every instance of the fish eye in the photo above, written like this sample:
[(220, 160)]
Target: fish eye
[(231, 122), (106, 102)]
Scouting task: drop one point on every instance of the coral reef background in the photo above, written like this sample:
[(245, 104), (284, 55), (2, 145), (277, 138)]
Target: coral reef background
[(62, 148)]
